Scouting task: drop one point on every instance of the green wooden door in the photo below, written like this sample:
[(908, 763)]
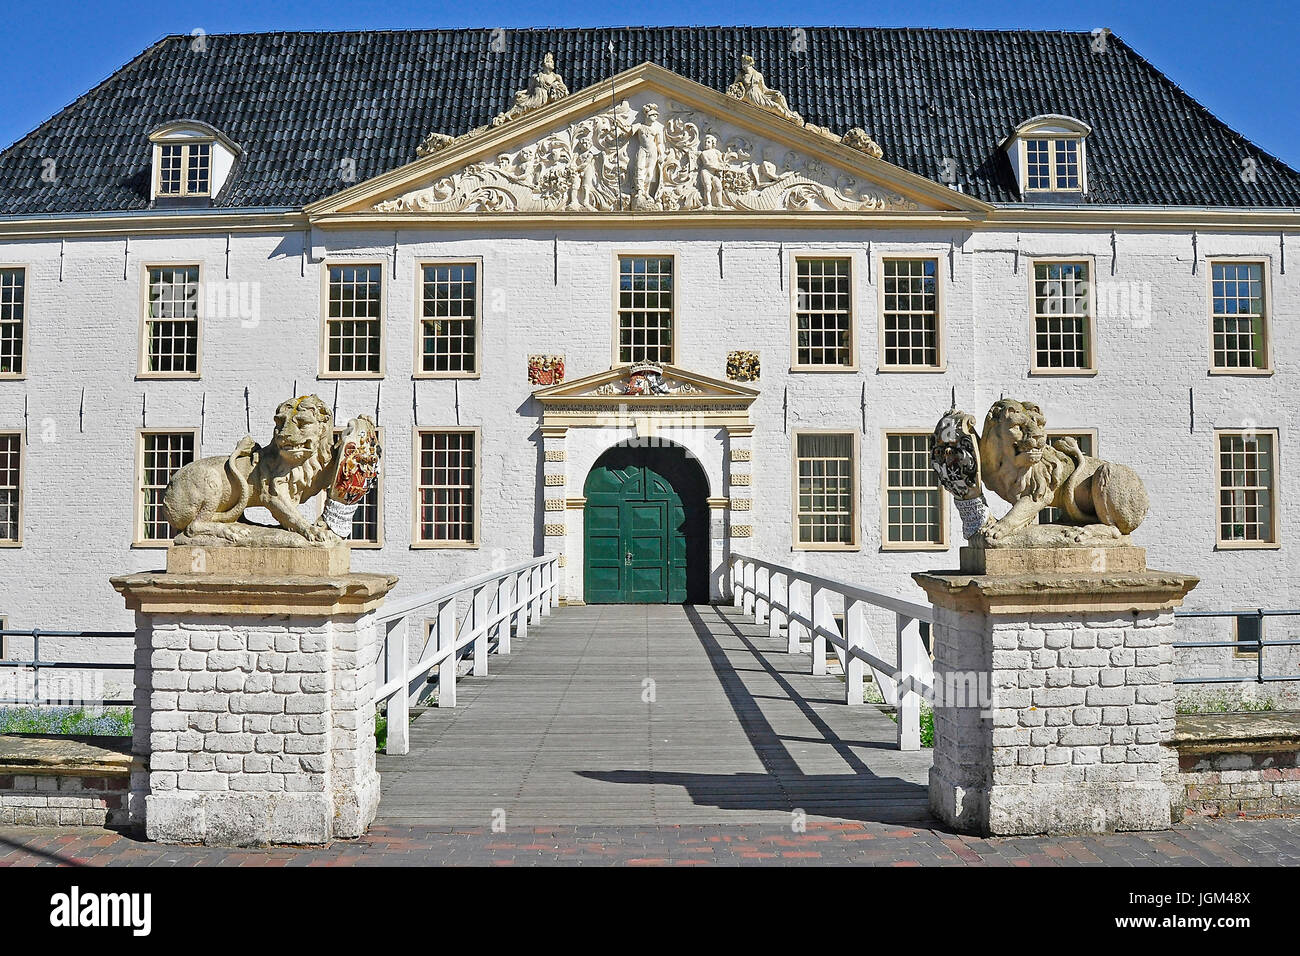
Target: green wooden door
[(635, 538)]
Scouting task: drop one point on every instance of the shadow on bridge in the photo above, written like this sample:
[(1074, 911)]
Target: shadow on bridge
[(860, 794)]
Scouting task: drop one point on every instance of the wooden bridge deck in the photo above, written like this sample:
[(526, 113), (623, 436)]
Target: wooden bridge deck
[(737, 732)]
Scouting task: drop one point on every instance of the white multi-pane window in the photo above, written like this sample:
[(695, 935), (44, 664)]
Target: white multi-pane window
[(645, 309), (1062, 317), (825, 513), (184, 169), (161, 455), (1239, 316), (171, 321), (913, 506), (1247, 479), (1088, 445), (11, 488), (823, 313), (1052, 165), (449, 319), (910, 313), (13, 318), (447, 487), (354, 319)]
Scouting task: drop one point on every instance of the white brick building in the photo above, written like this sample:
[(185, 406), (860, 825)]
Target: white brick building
[(173, 257)]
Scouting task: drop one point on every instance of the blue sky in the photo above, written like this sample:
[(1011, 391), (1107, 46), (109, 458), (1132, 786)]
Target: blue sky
[(1238, 58)]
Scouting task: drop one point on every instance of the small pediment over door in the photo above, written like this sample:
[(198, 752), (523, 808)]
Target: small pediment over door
[(646, 390), (661, 144)]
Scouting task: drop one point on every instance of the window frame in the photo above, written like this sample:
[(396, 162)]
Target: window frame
[(322, 371), (353, 543), (186, 144), (1080, 139), (617, 328), (940, 331), (856, 524), (26, 322), (1035, 369), (1274, 543), (419, 543), (1266, 279), (138, 540), (855, 363), (417, 365), (1237, 652), (944, 542), (142, 357), (21, 435), (1055, 433)]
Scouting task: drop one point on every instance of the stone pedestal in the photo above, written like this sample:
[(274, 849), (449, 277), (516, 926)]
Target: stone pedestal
[(1054, 702), (254, 698)]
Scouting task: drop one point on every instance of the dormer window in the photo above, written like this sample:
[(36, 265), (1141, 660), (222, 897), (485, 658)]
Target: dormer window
[(191, 161), (1048, 156), (185, 169)]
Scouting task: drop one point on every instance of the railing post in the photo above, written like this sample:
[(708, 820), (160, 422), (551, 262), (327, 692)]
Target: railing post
[(800, 611), (737, 582), (547, 578), (823, 620), (535, 595), (778, 604), (762, 600), (479, 613), (446, 627), (748, 607), (522, 581), (396, 662), (505, 603), (855, 635), (553, 569), (909, 701)]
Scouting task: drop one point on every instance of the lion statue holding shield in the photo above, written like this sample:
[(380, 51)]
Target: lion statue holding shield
[(1097, 499)]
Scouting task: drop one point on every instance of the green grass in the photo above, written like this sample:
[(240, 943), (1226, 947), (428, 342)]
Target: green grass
[(66, 721), (926, 721), (1225, 704)]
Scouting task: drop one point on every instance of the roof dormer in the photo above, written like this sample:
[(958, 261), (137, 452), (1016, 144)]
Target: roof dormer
[(1049, 157), (191, 162)]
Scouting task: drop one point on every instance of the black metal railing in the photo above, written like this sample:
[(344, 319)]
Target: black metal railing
[(1251, 645), (37, 664)]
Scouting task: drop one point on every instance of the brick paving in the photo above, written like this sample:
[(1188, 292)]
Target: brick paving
[(1200, 844)]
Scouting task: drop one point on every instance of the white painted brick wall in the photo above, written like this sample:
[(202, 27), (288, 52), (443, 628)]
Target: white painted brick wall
[(84, 337)]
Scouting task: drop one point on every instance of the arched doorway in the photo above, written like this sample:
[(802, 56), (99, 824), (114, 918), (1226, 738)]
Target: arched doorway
[(645, 528)]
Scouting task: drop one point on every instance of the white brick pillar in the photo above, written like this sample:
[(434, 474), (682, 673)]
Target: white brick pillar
[(1054, 702), (738, 522), (255, 700), (555, 492)]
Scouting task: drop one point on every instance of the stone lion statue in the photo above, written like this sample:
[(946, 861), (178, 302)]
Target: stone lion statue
[(1099, 499), (205, 501)]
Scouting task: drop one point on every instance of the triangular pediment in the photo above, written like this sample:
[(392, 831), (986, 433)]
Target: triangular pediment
[(646, 384), (653, 142)]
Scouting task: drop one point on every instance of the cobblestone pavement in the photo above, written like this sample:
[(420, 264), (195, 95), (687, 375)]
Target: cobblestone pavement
[(1203, 843)]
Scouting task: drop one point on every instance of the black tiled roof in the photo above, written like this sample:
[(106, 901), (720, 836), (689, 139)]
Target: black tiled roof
[(301, 103)]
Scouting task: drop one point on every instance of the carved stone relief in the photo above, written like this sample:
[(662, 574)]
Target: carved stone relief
[(641, 156)]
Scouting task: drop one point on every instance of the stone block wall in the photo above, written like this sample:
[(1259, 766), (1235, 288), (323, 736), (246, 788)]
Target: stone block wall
[(1048, 722), (259, 729), (1254, 784), (63, 799)]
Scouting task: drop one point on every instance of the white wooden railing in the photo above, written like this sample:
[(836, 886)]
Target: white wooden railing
[(481, 611), (805, 607)]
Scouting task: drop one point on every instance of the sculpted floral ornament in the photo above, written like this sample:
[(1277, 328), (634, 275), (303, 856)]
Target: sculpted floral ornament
[(1101, 501), (205, 502), (645, 158)]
